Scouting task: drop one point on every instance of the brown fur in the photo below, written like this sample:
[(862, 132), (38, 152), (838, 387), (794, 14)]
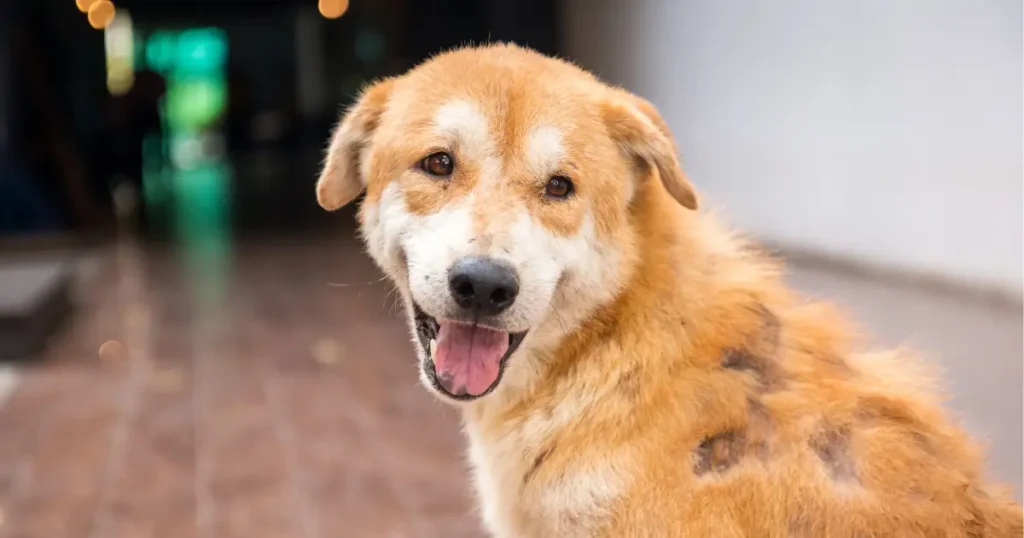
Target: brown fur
[(726, 405), (799, 437)]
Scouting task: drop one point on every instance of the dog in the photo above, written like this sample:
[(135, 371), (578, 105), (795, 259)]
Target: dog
[(626, 366)]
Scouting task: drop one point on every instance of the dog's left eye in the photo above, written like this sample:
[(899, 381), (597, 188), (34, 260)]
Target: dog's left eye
[(559, 187), (439, 164)]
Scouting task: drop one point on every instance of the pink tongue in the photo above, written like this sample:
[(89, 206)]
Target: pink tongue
[(468, 357)]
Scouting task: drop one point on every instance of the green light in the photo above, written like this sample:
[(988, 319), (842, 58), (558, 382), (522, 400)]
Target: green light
[(180, 178), (160, 51), (203, 49), (195, 102), (203, 197), (203, 224)]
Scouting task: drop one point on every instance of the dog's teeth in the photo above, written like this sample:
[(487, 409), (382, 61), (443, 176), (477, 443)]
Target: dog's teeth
[(433, 348)]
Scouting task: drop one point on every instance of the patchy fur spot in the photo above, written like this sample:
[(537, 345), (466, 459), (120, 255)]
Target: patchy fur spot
[(537, 462), (720, 452), (629, 383), (766, 371), (759, 356), (833, 448)]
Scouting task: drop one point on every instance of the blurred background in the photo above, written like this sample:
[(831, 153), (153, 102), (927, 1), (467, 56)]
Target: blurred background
[(189, 346)]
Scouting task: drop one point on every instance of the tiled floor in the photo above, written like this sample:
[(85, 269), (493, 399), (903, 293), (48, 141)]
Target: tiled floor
[(268, 391), (241, 395)]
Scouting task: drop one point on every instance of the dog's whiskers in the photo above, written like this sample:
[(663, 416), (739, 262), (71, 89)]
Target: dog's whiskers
[(353, 284)]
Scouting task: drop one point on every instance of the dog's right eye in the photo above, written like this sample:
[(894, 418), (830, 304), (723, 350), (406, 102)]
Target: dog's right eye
[(439, 164)]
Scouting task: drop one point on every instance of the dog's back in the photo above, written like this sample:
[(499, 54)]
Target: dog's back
[(784, 429)]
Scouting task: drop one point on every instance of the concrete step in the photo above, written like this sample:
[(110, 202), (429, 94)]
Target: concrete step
[(35, 302)]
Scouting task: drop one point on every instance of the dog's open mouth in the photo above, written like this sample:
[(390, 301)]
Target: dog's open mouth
[(464, 360)]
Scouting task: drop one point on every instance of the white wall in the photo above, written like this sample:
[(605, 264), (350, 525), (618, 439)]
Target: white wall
[(885, 131)]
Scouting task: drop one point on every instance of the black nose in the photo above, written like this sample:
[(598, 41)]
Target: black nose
[(483, 285)]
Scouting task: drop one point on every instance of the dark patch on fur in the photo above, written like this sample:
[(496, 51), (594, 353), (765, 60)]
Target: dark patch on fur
[(833, 448), (720, 452), (760, 356), (537, 462), (629, 382), (766, 371)]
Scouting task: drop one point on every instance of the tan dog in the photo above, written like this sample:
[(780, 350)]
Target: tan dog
[(625, 367)]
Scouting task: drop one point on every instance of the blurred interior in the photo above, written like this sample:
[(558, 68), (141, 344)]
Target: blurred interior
[(189, 346)]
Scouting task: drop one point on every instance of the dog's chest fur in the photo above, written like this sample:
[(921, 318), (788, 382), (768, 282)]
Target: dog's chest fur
[(519, 494)]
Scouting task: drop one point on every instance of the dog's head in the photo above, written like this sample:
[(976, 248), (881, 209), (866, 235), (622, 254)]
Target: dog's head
[(499, 199)]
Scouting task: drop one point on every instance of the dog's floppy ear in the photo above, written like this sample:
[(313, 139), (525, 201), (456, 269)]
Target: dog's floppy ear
[(341, 179), (636, 125)]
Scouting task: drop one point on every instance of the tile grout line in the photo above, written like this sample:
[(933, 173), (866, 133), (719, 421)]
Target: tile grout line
[(136, 344), (286, 436), (201, 480), (205, 334)]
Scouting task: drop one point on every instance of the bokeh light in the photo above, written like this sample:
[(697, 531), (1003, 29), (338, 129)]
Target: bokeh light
[(332, 9), (119, 40), (112, 351), (101, 13), (83, 5)]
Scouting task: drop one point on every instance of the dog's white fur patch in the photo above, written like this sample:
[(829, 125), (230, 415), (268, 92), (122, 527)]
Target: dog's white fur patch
[(461, 122), (544, 150), (570, 505), (464, 129), (579, 499)]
